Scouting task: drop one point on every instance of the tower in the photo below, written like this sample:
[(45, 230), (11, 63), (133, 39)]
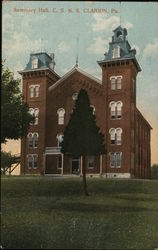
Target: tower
[(119, 71), (38, 75)]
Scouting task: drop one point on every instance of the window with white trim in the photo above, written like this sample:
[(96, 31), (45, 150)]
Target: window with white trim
[(32, 161), (35, 113), (37, 90), (92, 106), (119, 109), (90, 161), (119, 82), (112, 160), (60, 138), (113, 82), (61, 113), (118, 136), (118, 159), (31, 91), (35, 140), (113, 109), (34, 62), (116, 52), (30, 140), (59, 162), (112, 132)]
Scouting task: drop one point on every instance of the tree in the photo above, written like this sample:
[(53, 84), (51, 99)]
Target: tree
[(81, 136), (7, 159), (15, 114), (154, 171)]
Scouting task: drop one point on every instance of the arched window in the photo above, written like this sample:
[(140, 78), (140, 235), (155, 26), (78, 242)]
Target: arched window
[(92, 106), (36, 113), (35, 140), (30, 140), (35, 157), (113, 82), (113, 109), (119, 109), (116, 52), (30, 161), (37, 90), (60, 139), (112, 160), (112, 136), (119, 82), (34, 62), (118, 159), (31, 91), (61, 113), (118, 136), (31, 111)]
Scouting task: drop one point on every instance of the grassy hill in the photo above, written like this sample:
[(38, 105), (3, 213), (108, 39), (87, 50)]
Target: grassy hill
[(53, 213)]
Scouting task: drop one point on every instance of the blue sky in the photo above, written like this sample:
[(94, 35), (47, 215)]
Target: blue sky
[(25, 32)]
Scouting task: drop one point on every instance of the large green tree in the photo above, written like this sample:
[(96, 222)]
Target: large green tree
[(81, 136), (15, 117)]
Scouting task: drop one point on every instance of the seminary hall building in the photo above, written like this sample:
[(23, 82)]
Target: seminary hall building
[(51, 98)]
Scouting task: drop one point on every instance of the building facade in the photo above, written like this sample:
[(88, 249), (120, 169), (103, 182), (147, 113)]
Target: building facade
[(51, 99)]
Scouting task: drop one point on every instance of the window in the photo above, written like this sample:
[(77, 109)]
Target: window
[(30, 139), (92, 106), (113, 109), (59, 162), (116, 52), (32, 161), (61, 113), (118, 159), (37, 90), (35, 140), (90, 162), (60, 139), (36, 113), (34, 62), (119, 82), (31, 91), (112, 136), (118, 136), (113, 83), (112, 160), (75, 96), (119, 109)]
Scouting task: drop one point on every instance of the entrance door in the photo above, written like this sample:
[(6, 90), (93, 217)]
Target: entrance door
[(75, 165)]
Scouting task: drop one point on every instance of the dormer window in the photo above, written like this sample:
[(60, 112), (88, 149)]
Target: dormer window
[(34, 62), (116, 52)]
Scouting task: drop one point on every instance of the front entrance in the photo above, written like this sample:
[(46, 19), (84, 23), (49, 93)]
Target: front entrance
[(75, 165)]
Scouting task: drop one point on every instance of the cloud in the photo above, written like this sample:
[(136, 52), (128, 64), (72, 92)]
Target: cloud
[(101, 23), (151, 49), (62, 47), (98, 46)]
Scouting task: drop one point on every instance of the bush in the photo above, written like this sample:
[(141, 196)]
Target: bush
[(154, 172)]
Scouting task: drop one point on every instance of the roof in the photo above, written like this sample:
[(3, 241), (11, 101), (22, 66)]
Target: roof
[(69, 73), (142, 117)]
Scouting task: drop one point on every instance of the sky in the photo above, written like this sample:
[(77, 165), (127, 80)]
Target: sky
[(33, 26)]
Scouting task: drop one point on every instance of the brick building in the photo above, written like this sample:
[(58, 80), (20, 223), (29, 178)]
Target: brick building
[(51, 99)]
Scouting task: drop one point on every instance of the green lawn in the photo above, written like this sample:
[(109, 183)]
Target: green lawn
[(49, 213)]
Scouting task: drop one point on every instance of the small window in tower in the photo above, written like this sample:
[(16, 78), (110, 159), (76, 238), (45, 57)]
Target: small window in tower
[(61, 113), (112, 160), (35, 157), (116, 52), (118, 136), (37, 90), (30, 140), (119, 109), (90, 161), (34, 62), (35, 140), (112, 136), (118, 159), (113, 83), (31, 91), (30, 161), (113, 109), (36, 113), (119, 82)]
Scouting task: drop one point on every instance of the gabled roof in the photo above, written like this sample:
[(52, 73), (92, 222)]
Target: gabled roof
[(69, 73)]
